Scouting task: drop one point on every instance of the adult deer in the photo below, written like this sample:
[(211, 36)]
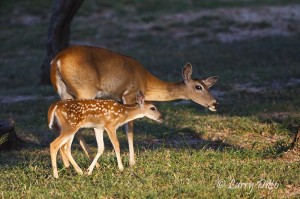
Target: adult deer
[(72, 114), (92, 72)]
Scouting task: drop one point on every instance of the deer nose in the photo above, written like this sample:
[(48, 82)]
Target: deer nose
[(215, 103), (161, 118)]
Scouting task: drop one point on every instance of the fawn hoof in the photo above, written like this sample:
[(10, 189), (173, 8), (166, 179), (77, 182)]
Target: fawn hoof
[(80, 172), (55, 175), (89, 172), (67, 166), (132, 163)]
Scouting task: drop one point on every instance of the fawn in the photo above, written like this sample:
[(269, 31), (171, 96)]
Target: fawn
[(73, 114)]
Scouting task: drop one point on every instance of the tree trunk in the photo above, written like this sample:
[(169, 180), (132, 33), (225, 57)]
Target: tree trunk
[(62, 15), (296, 142), (8, 136)]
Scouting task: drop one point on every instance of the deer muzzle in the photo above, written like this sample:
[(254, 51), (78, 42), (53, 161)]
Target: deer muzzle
[(160, 119), (213, 106)]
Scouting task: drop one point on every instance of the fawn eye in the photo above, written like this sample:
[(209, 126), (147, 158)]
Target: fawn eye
[(153, 108), (198, 87)]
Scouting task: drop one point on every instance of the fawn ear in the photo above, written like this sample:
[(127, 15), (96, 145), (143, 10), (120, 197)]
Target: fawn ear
[(140, 98), (187, 72)]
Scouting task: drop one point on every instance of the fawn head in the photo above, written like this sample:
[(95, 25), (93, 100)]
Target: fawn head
[(149, 110), (198, 90)]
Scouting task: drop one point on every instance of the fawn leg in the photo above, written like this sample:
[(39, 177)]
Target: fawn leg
[(100, 143), (114, 140), (54, 147), (67, 151)]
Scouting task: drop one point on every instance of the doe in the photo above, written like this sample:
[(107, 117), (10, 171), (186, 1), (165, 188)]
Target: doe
[(73, 114), (88, 72)]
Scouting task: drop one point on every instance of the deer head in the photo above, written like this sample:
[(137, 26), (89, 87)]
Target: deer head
[(198, 90)]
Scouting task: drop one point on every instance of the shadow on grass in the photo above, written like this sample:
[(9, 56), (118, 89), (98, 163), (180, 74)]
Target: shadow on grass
[(185, 138), (277, 150), (148, 136), (174, 139)]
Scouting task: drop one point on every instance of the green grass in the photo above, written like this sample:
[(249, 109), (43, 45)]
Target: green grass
[(159, 173), (194, 153)]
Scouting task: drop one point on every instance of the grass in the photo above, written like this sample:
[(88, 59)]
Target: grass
[(3, 139), (238, 152)]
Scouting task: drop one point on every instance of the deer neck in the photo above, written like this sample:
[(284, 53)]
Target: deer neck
[(158, 90)]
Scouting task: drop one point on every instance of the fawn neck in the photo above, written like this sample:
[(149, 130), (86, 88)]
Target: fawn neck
[(158, 90), (132, 113)]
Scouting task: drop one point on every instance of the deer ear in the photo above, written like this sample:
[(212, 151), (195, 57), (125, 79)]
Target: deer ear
[(209, 82), (140, 98), (187, 72)]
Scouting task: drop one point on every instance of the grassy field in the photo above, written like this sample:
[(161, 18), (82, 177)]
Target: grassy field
[(241, 151)]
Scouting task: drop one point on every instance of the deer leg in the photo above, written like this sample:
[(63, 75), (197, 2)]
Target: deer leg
[(130, 98), (85, 147), (63, 155), (100, 143), (67, 151), (64, 95), (129, 132), (65, 159), (54, 147), (114, 140)]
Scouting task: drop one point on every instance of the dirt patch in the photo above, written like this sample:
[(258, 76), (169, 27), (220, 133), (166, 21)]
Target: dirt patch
[(27, 20), (223, 24), (21, 98), (290, 156), (291, 191), (291, 118), (250, 87)]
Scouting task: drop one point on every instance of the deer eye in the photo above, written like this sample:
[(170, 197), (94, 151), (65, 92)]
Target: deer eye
[(153, 108), (198, 87)]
